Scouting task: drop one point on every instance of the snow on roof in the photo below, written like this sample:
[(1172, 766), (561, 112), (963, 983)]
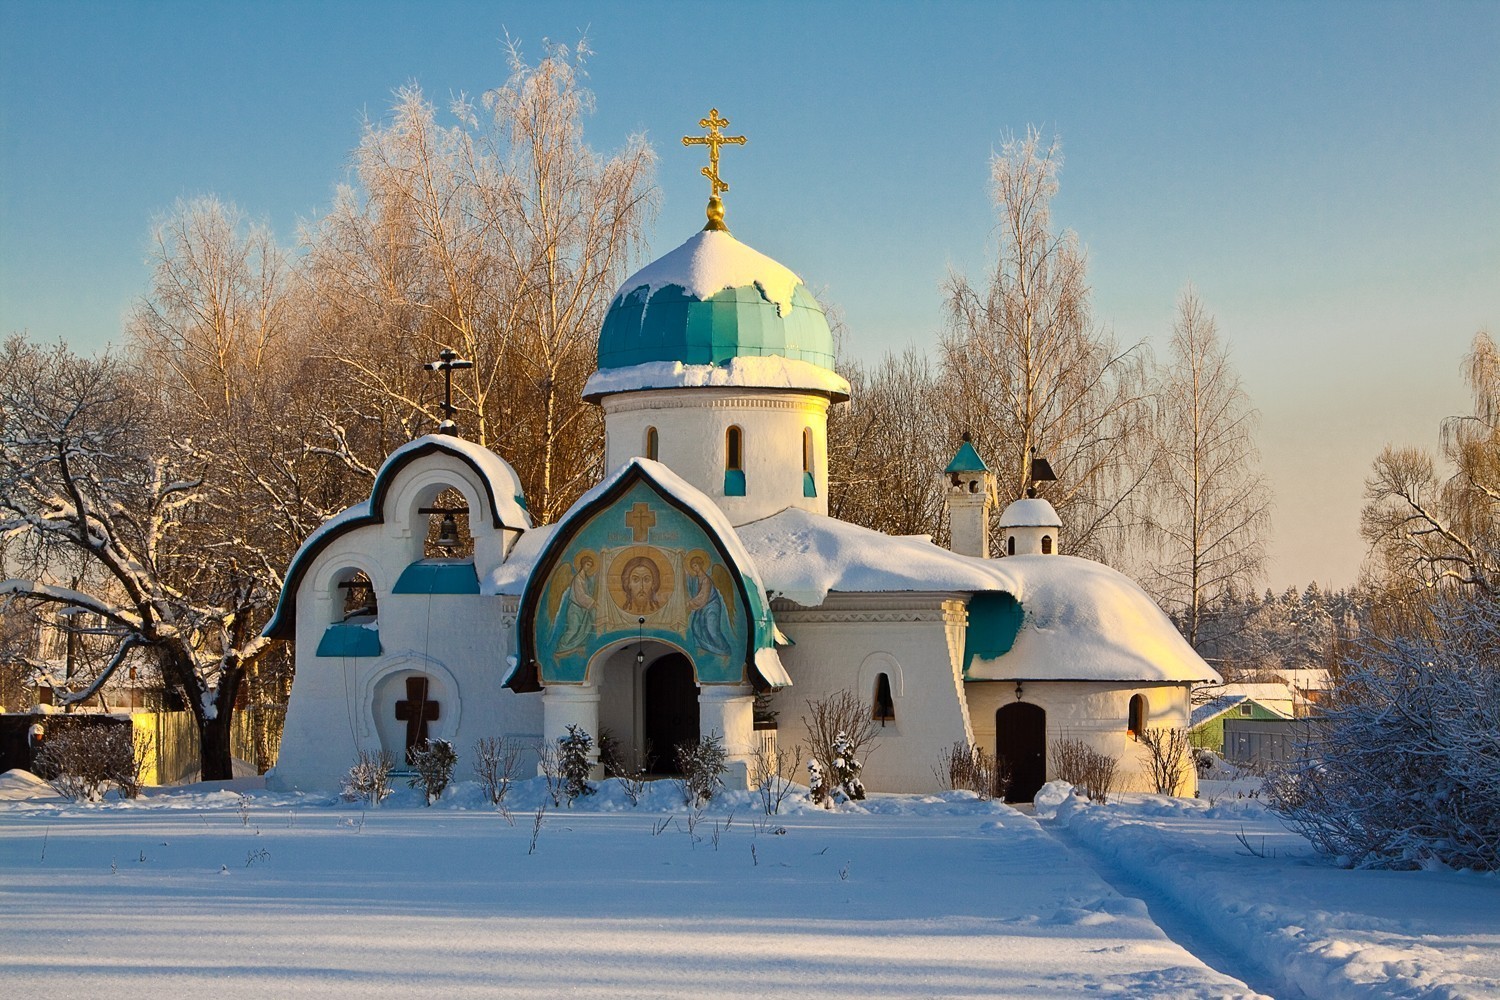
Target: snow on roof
[(711, 261), (1262, 693), (771, 372), (1030, 512), (510, 576), (802, 556), (1216, 707), (1082, 620)]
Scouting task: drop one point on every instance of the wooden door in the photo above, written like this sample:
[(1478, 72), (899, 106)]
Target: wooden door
[(1021, 741)]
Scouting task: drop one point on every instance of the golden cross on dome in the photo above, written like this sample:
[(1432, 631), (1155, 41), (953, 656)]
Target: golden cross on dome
[(713, 141)]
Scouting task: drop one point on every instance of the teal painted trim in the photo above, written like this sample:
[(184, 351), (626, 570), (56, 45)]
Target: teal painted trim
[(521, 502), (967, 460), (434, 576), (732, 323), (994, 622), (350, 639), (734, 482), (809, 488)]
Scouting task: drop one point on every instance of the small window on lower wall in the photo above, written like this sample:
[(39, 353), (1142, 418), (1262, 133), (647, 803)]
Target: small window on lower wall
[(884, 706), (1136, 722), (651, 443)]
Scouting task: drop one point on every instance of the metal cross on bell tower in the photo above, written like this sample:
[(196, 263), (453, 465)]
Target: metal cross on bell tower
[(447, 361)]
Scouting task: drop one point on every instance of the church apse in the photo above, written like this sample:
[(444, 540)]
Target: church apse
[(638, 569)]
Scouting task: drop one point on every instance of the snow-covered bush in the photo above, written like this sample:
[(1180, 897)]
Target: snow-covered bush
[(81, 761), (965, 767), (702, 765), (841, 731), (1166, 752), (574, 762), (432, 768), (496, 762), (1404, 767), (370, 777)]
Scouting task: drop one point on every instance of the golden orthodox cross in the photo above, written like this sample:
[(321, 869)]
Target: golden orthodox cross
[(640, 519), (713, 141)]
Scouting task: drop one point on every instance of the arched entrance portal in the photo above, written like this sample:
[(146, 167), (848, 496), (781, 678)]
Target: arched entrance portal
[(1021, 742), (670, 696)]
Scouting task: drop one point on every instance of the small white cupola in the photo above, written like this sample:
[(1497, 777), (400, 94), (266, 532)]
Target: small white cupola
[(970, 496), (1031, 528)]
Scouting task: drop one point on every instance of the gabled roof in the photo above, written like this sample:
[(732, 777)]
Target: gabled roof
[(502, 492), (1210, 710)]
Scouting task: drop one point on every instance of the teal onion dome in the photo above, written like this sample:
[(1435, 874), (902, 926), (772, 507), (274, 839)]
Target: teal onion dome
[(712, 300)]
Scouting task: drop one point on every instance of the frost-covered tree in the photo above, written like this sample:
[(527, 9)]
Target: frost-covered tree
[(499, 234), (87, 477), (1210, 506), (1403, 769), (1030, 369)]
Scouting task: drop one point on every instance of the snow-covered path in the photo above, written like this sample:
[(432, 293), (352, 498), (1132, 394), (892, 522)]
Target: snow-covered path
[(1284, 919), (918, 899)]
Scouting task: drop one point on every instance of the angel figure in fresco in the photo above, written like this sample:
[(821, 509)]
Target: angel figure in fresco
[(575, 615), (708, 614)]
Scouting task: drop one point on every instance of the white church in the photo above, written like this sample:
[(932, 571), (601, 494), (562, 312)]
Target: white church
[(701, 588)]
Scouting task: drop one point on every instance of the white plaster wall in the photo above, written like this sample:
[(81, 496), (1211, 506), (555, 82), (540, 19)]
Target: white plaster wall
[(691, 424), (969, 519), (459, 640), (1095, 712), (912, 638), (1029, 540)]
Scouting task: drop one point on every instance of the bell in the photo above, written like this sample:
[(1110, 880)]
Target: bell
[(448, 532)]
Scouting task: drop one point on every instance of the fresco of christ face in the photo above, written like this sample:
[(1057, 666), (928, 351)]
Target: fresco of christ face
[(641, 582)]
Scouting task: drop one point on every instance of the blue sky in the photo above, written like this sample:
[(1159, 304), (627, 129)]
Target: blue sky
[(1327, 174)]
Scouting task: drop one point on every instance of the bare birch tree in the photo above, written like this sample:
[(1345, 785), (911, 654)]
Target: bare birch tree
[(1031, 370), (886, 447), (501, 236), (1431, 531), (1210, 506)]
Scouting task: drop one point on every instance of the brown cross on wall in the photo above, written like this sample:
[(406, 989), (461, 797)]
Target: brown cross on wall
[(416, 711), (640, 519)]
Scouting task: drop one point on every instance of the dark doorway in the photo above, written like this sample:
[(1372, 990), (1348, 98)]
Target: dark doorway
[(1021, 741), (671, 702)]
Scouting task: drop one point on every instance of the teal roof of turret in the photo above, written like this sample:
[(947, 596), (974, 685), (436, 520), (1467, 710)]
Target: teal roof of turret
[(967, 460)]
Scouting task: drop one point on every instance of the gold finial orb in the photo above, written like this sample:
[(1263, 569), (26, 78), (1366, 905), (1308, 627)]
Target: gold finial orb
[(716, 214), (713, 141)]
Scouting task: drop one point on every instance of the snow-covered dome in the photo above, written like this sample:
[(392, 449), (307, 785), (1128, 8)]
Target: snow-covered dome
[(705, 314), (1030, 512)]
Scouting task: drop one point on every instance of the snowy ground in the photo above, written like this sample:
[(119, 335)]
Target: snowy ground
[(203, 892)]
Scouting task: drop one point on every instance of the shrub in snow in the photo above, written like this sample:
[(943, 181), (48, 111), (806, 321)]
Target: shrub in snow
[(574, 762), (1082, 766), (496, 762), (370, 777), (81, 761), (771, 772), (702, 765), (432, 768), (965, 767), (1403, 769), (1166, 752), (841, 731)]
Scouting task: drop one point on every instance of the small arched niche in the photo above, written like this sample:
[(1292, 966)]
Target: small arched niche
[(1137, 716)]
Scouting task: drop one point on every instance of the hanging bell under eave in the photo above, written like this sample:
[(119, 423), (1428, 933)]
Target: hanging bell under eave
[(448, 532)]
